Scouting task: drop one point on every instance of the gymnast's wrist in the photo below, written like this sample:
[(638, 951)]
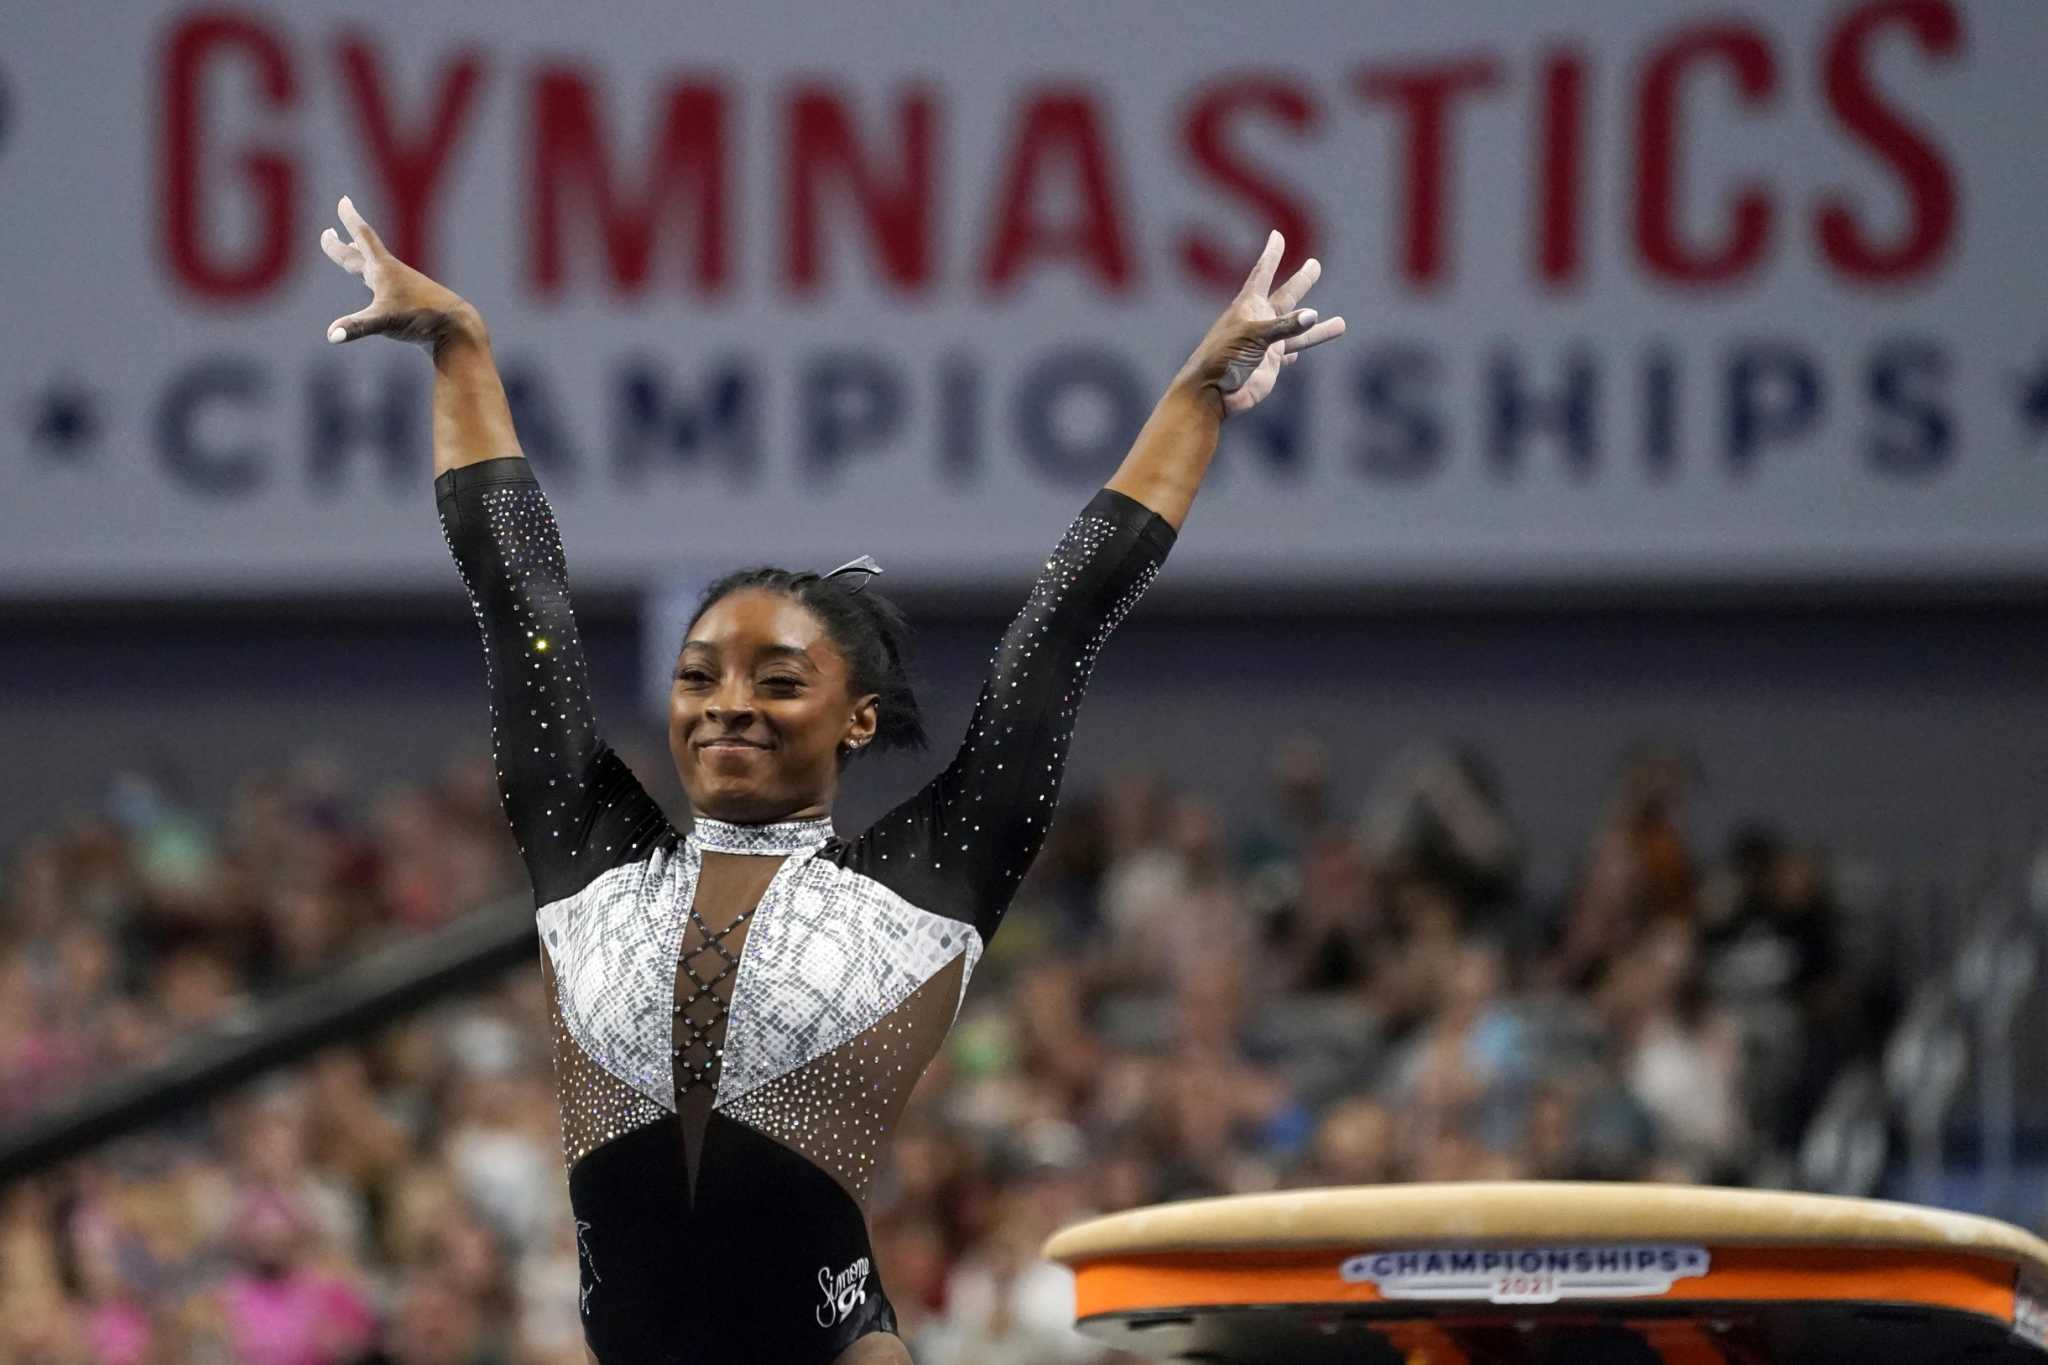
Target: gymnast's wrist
[(462, 333), (1192, 395)]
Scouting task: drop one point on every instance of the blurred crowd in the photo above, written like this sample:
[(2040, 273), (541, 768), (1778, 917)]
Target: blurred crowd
[(1353, 984)]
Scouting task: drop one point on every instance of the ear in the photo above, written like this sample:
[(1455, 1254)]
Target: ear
[(864, 716)]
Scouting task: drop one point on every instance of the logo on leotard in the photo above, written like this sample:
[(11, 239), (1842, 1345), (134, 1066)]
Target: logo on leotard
[(583, 1252), (843, 1292)]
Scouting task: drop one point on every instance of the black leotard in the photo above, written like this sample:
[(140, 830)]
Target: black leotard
[(740, 1012)]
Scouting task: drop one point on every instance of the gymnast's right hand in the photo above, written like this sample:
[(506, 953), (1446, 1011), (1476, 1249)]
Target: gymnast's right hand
[(403, 302)]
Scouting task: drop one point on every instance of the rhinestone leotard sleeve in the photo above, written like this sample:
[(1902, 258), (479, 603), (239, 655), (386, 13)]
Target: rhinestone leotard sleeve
[(574, 807), (961, 845)]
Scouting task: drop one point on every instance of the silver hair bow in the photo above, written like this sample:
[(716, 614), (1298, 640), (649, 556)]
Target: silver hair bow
[(864, 565)]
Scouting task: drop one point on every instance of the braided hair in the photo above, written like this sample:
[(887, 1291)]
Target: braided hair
[(868, 629)]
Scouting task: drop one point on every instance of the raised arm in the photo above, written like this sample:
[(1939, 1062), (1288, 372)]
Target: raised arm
[(575, 809), (472, 421), (963, 843), (1234, 367)]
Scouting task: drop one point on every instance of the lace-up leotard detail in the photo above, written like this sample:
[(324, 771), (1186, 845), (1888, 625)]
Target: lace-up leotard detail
[(702, 1016), (740, 1011), (710, 957)]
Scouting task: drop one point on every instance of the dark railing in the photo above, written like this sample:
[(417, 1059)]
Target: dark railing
[(361, 998)]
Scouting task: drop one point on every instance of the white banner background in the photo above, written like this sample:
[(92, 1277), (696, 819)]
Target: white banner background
[(164, 433)]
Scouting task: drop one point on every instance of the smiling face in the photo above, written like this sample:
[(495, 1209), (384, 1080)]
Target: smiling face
[(760, 705)]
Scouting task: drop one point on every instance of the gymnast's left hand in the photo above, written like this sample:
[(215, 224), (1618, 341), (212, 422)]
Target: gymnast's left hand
[(403, 302), (1260, 333)]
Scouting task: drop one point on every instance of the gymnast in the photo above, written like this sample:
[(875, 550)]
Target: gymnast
[(740, 1011)]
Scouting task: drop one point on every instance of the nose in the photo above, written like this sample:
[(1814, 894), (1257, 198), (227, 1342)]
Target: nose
[(731, 706)]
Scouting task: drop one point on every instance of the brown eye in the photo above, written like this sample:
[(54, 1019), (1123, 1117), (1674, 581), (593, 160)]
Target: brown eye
[(694, 676)]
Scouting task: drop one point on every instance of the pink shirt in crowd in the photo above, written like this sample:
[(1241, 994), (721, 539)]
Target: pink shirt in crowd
[(305, 1318)]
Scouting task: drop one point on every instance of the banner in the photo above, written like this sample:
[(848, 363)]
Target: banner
[(1637, 293)]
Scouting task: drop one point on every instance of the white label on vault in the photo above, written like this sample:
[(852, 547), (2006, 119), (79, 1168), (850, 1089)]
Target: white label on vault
[(1526, 1274)]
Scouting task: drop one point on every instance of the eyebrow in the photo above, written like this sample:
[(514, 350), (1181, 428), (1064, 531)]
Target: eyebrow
[(771, 651)]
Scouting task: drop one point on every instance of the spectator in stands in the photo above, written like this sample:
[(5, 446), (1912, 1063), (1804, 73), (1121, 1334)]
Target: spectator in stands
[(1771, 956), (1637, 866), (1353, 1145), (1300, 809), (1437, 813), (1326, 931), (282, 1306), (1679, 1056)]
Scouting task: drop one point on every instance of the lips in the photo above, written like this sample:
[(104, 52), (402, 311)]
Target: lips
[(731, 744)]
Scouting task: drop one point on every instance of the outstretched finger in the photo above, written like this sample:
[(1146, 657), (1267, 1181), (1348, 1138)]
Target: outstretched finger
[(1261, 279), (1329, 329), (1289, 325), (341, 253), (1298, 284), (358, 324), (360, 231)]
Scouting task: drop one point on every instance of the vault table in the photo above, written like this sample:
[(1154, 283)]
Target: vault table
[(1585, 1274)]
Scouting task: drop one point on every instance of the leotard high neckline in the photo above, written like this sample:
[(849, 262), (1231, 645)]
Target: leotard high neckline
[(779, 839)]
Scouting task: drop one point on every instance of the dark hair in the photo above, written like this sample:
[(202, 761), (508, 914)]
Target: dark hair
[(869, 629)]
